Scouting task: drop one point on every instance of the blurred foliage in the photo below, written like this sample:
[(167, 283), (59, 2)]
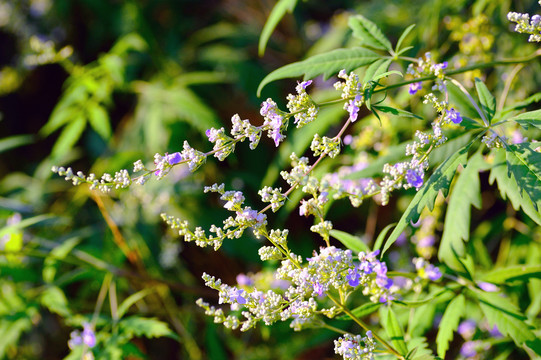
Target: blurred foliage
[(98, 84)]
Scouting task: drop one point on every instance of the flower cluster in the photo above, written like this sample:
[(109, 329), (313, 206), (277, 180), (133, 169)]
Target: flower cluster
[(426, 270), (332, 270), (352, 347), (426, 67), (234, 227), (274, 121), (351, 90), (527, 25), (302, 107), (85, 338)]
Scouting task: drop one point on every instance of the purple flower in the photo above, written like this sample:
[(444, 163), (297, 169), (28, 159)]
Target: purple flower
[(318, 289), (88, 335), (345, 346), (488, 287), (237, 295), (454, 116), (353, 109), (414, 87), (495, 332), (467, 329), (267, 106), (353, 278), (305, 84), (442, 66), (433, 272), (174, 158), (468, 349), (244, 280), (414, 178)]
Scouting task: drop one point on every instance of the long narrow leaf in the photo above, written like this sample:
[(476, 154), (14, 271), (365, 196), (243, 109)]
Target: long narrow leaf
[(325, 64), (457, 218), (449, 323), (277, 13)]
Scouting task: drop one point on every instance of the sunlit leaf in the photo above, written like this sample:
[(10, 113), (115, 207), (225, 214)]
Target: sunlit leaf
[(325, 64), (369, 33), (352, 242), (449, 323), (277, 13)]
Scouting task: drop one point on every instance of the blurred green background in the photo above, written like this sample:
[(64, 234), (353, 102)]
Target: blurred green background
[(98, 84)]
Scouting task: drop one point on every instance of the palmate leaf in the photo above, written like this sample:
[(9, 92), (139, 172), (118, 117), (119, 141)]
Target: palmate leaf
[(509, 188), (529, 118), (525, 165), (501, 312), (325, 64), (277, 13), (456, 227), (487, 100), (426, 196), (369, 33), (449, 323)]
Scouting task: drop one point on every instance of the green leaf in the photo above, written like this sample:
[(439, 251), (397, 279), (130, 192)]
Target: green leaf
[(403, 37), (352, 242), (99, 119), (381, 236), (147, 327), (435, 297), (449, 323), (505, 315), (395, 111), (523, 103), (277, 13), (509, 188), (68, 137), (376, 68), (132, 299), (60, 116), (525, 165), (58, 253), (193, 109), (529, 118), (23, 224), (461, 101), (456, 228), (12, 142), (426, 195), (362, 311), (325, 64), (369, 33), (395, 332), (487, 100), (54, 299), (511, 273)]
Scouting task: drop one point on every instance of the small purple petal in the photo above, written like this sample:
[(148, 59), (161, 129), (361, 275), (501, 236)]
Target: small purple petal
[(414, 87), (174, 158), (454, 116), (414, 179)]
